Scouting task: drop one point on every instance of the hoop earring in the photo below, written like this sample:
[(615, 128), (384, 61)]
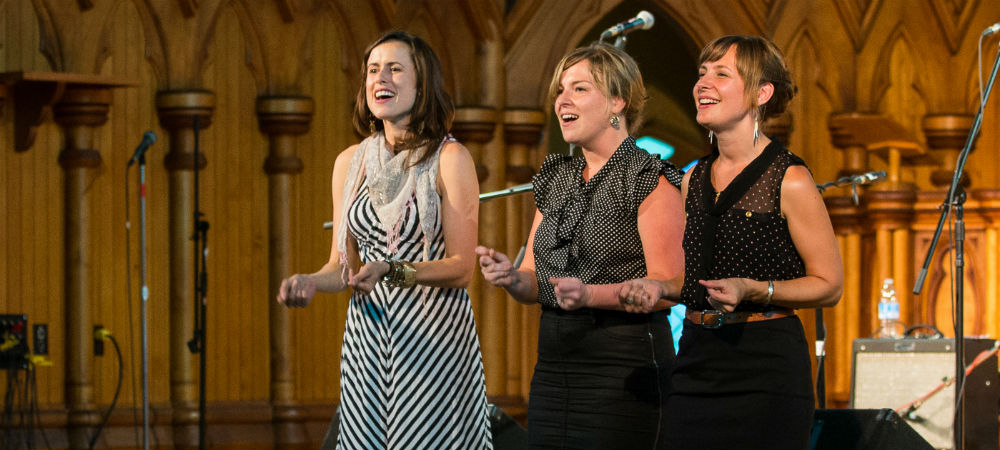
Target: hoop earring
[(615, 123), (711, 137)]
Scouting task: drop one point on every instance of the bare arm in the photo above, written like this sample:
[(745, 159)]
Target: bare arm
[(298, 289), (520, 283), (813, 236), (661, 288)]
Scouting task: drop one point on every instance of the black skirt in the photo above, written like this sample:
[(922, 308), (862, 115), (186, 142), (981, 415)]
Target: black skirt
[(741, 386), (600, 380)]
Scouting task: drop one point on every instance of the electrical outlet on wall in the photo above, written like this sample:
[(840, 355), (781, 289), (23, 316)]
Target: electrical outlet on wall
[(40, 333)]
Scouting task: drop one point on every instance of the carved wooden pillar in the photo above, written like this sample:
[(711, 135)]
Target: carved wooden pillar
[(989, 200), (177, 111), (80, 111), (282, 119), (79, 103), (946, 135), (522, 133), (855, 158), (474, 127), (845, 320)]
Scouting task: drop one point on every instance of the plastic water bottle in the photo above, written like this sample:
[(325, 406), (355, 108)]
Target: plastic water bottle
[(888, 312)]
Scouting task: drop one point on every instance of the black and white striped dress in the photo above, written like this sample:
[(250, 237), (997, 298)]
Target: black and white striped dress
[(411, 368)]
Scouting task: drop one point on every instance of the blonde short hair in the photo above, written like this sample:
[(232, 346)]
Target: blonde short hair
[(616, 74)]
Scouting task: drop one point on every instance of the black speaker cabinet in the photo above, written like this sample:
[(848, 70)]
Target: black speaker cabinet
[(890, 373), (863, 429)]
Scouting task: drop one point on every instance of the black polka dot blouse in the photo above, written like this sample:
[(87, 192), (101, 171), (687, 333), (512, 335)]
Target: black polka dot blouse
[(589, 230), (751, 238)]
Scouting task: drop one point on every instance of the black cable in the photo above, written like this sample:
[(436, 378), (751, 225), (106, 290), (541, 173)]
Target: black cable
[(9, 424), (114, 400), (34, 406)]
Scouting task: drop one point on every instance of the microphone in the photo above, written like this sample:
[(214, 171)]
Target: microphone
[(642, 21), (869, 177), (148, 138), (992, 29)]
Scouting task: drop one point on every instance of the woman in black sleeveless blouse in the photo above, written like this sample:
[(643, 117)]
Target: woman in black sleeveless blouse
[(603, 218), (758, 244)]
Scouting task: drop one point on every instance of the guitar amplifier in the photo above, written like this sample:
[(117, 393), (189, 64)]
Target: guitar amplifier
[(890, 373)]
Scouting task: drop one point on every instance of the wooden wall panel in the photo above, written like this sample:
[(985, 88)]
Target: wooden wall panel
[(233, 199), (317, 331), (116, 288)]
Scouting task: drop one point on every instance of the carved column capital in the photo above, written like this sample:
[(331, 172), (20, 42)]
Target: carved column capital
[(79, 110), (280, 118), (890, 209), (177, 111), (474, 126), (845, 215), (843, 135), (946, 134), (522, 131), (284, 115)]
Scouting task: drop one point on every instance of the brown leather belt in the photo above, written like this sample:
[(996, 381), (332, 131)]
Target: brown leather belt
[(715, 319)]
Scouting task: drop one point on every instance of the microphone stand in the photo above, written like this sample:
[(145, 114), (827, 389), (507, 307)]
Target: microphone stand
[(955, 200), (820, 324), (144, 296), (198, 341)]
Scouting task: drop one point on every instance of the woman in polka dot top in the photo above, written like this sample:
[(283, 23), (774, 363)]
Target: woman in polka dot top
[(603, 218), (758, 244)]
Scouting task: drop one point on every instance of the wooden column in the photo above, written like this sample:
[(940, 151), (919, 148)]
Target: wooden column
[(946, 135), (889, 213), (474, 127), (843, 131), (845, 320), (177, 111), (79, 103), (522, 134), (989, 201), (80, 111), (282, 119)]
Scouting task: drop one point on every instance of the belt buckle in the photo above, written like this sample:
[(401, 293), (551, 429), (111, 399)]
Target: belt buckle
[(715, 318)]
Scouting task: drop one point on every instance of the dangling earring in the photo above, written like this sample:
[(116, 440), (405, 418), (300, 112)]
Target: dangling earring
[(615, 123), (756, 130), (371, 126), (711, 137)]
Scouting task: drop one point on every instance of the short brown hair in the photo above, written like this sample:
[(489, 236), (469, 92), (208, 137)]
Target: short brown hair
[(758, 61), (616, 74), (433, 110)]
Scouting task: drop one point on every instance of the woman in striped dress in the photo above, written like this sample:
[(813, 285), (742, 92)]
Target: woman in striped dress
[(406, 218)]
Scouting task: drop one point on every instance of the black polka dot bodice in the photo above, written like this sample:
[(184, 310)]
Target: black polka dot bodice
[(751, 238), (589, 230)]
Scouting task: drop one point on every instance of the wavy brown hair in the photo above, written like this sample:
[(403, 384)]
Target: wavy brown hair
[(433, 110), (758, 61)]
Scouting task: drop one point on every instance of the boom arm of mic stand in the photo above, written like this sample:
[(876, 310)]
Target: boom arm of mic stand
[(505, 192), (482, 197)]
